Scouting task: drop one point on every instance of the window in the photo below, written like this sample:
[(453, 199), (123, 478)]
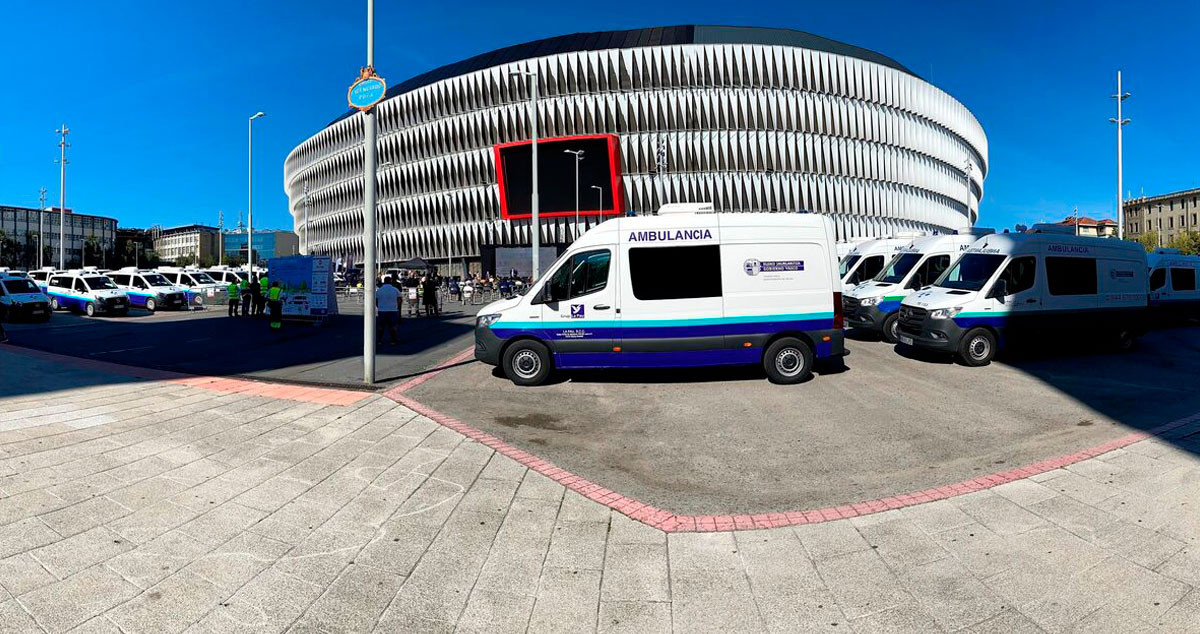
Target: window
[(583, 274), (675, 272), (1019, 275), (173, 277), (1158, 279), (870, 267), (19, 287), (60, 282), (1183, 279), (79, 286), (138, 282), (119, 278), (1071, 276), (900, 266), (99, 283), (972, 271), (848, 263), (930, 270)]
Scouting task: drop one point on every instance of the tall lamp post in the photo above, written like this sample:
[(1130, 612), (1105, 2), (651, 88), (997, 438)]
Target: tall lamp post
[(600, 193), (41, 234), (250, 190), (967, 170), (370, 176), (1120, 96), (62, 194), (306, 206), (578, 157), (535, 228)]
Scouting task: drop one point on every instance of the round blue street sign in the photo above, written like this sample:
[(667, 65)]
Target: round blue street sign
[(366, 92)]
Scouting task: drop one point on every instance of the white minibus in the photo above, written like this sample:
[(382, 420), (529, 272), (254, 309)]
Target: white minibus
[(872, 305), (1011, 286), (1173, 291), (149, 289), (867, 259), (676, 290), (201, 289), (86, 291)]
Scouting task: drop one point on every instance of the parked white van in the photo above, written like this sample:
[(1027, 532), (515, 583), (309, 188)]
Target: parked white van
[(866, 260), (22, 299), (86, 291), (676, 290), (873, 305), (1015, 285), (149, 289), (41, 276), (1173, 291), (226, 275), (201, 288)]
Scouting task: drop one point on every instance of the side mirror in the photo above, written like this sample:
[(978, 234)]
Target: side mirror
[(999, 290)]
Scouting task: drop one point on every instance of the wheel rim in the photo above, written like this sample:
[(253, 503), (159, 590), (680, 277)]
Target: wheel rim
[(91, 310), (54, 303), (894, 329), (1125, 340), (980, 348), (526, 364), (789, 362), (150, 305)]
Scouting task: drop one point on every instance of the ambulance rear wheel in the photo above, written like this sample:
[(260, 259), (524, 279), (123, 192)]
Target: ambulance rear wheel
[(978, 348), (788, 361), (54, 304), (891, 328), (527, 363), (90, 309), (150, 305)]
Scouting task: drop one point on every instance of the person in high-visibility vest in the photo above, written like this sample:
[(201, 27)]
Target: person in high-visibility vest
[(244, 291), (264, 288), (275, 304), (234, 298)]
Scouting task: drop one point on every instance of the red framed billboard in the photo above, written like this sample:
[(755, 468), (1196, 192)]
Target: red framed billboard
[(600, 167)]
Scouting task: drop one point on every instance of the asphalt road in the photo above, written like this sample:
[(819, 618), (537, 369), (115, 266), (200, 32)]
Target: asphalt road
[(208, 342), (727, 441)]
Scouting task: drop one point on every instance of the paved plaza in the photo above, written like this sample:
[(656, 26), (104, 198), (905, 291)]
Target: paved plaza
[(160, 504)]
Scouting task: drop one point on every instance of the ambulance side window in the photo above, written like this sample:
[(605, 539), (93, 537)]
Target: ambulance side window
[(1183, 279), (138, 282), (930, 270), (560, 283), (1158, 279), (119, 279), (1071, 276), (589, 272), (1020, 274), (869, 268), (676, 272), (79, 286)]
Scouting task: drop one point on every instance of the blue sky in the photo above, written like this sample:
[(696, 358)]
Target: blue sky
[(157, 94)]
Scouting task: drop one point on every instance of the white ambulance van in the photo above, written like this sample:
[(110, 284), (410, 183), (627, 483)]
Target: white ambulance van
[(846, 246), (201, 288), (1012, 286), (149, 289), (866, 260), (1173, 291), (22, 299), (873, 305), (676, 290), (86, 291), (41, 276)]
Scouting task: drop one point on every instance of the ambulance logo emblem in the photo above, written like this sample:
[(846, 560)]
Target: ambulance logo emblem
[(576, 311), (752, 266)]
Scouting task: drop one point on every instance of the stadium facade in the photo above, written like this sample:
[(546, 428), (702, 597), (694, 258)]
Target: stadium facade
[(749, 119)]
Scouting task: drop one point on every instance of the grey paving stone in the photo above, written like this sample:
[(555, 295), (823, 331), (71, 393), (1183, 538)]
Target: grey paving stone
[(1075, 516), (144, 525), (1000, 515), (267, 603), (1142, 546), (634, 617), (68, 556), (566, 601), (1062, 607), (1009, 621), (1062, 550), (1083, 489), (980, 550), (398, 546), (322, 555), (1184, 616), (830, 539), (907, 617), (717, 600), (24, 535), (222, 523), (623, 530), (901, 544), (578, 545), (272, 494), (1134, 590), (169, 606), (950, 594), (704, 551), (777, 565), (636, 572), (157, 559), (14, 619), (63, 605), (937, 516), (489, 496), (862, 583), (467, 531), (501, 467), (1182, 566), (1107, 620), (437, 590), (238, 560), (489, 611), (536, 485), (576, 508), (21, 573), (82, 516), (353, 602)]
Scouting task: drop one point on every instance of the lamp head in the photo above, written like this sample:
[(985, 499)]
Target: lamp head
[(257, 115)]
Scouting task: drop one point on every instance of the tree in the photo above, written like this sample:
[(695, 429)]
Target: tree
[(1149, 240), (1187, 242)]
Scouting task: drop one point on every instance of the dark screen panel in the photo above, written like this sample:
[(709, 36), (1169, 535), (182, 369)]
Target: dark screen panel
[(556, 177)]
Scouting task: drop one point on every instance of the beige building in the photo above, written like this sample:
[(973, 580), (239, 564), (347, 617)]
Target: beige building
[(1085, 226), (1169, 215), (197, 241)]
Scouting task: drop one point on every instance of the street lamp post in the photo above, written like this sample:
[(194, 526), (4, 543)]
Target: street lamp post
[(306, 206), (535, 228), (41, 235), (600, 193), (578, 157), (250, 190), (62, 194), (967, 170), (1120, 96), (370, 176)]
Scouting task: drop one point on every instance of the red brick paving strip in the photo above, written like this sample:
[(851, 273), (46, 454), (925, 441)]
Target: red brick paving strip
[(675, 523), (287, 392)]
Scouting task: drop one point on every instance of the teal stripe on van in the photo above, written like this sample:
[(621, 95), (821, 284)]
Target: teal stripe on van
[(662, 323)]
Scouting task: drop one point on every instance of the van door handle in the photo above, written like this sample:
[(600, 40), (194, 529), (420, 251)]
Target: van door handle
[(601, 307)]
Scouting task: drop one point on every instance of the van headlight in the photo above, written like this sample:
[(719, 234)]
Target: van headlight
[(868, 301), (483, 321), (944, 313)]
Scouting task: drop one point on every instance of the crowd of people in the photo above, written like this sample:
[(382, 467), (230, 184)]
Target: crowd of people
[(257, 298), (414, 292)]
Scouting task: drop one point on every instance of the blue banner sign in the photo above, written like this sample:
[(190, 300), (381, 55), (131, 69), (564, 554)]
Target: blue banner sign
[(366, 92)]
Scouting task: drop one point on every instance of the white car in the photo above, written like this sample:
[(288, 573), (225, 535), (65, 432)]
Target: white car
[(22, 299), (149, 289), (88, 292)]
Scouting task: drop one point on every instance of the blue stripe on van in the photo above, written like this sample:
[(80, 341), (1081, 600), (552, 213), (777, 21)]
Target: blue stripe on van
[(670, 328), (673, 359)]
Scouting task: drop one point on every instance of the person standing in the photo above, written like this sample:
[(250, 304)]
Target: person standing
[(244, 292), (256, 292), (264, 285), (275, 304), (234, 298), (387, 316), (429, 295)]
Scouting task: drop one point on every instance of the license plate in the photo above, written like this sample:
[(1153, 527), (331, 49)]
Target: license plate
[(906, 340), (36, 311)]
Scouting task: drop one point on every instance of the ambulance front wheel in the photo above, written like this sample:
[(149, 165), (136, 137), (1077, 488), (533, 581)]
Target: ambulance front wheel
[(90, 309), (54, 304), (978, 348), (527, 363), (891, 328), (150, 305), (788, 361)]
